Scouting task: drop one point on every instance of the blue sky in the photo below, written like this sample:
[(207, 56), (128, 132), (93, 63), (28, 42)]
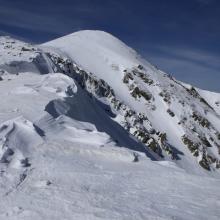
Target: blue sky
[(181, 37)]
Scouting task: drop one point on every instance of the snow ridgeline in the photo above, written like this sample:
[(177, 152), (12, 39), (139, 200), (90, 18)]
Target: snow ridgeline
[(170, 118), (74, 137)]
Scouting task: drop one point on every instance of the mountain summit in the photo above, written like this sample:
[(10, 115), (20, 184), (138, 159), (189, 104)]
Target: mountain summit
[(92, 130), (172, 119)]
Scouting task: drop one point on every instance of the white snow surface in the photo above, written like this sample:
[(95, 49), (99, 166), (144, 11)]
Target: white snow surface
[(212, 98), (62, 157), (107, 57)]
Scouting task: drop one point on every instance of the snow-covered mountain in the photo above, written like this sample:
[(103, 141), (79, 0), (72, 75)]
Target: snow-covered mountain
[(168, 117), (90, 130)]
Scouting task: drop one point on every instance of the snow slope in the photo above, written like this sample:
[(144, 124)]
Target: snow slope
[(212, 98), (17, 56), (190, 124), (69, 143)]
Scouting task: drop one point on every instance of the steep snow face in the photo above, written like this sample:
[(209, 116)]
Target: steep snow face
[(212, 98), (172, 119), (89, 48), (100, 53)]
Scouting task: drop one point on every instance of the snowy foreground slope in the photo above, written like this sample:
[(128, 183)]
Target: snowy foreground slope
[(89, 130)]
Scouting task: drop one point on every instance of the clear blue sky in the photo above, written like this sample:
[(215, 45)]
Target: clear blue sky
[(181, 37)]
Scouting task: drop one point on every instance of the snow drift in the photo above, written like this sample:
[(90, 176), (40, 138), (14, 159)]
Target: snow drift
[(90, 130)]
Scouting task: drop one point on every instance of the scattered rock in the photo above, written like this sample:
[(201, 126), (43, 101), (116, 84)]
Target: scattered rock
[(171, 113)]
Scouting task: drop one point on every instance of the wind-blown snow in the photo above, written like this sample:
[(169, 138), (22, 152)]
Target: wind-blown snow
[(62, 156)]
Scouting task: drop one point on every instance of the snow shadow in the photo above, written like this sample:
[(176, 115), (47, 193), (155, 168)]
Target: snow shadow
[(86, 108)]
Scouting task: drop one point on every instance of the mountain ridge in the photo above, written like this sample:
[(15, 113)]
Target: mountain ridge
[(106, 65), (144, 100), (90, 132)]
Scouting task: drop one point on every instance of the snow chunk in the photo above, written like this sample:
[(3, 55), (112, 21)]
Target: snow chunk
[(58, 83)]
